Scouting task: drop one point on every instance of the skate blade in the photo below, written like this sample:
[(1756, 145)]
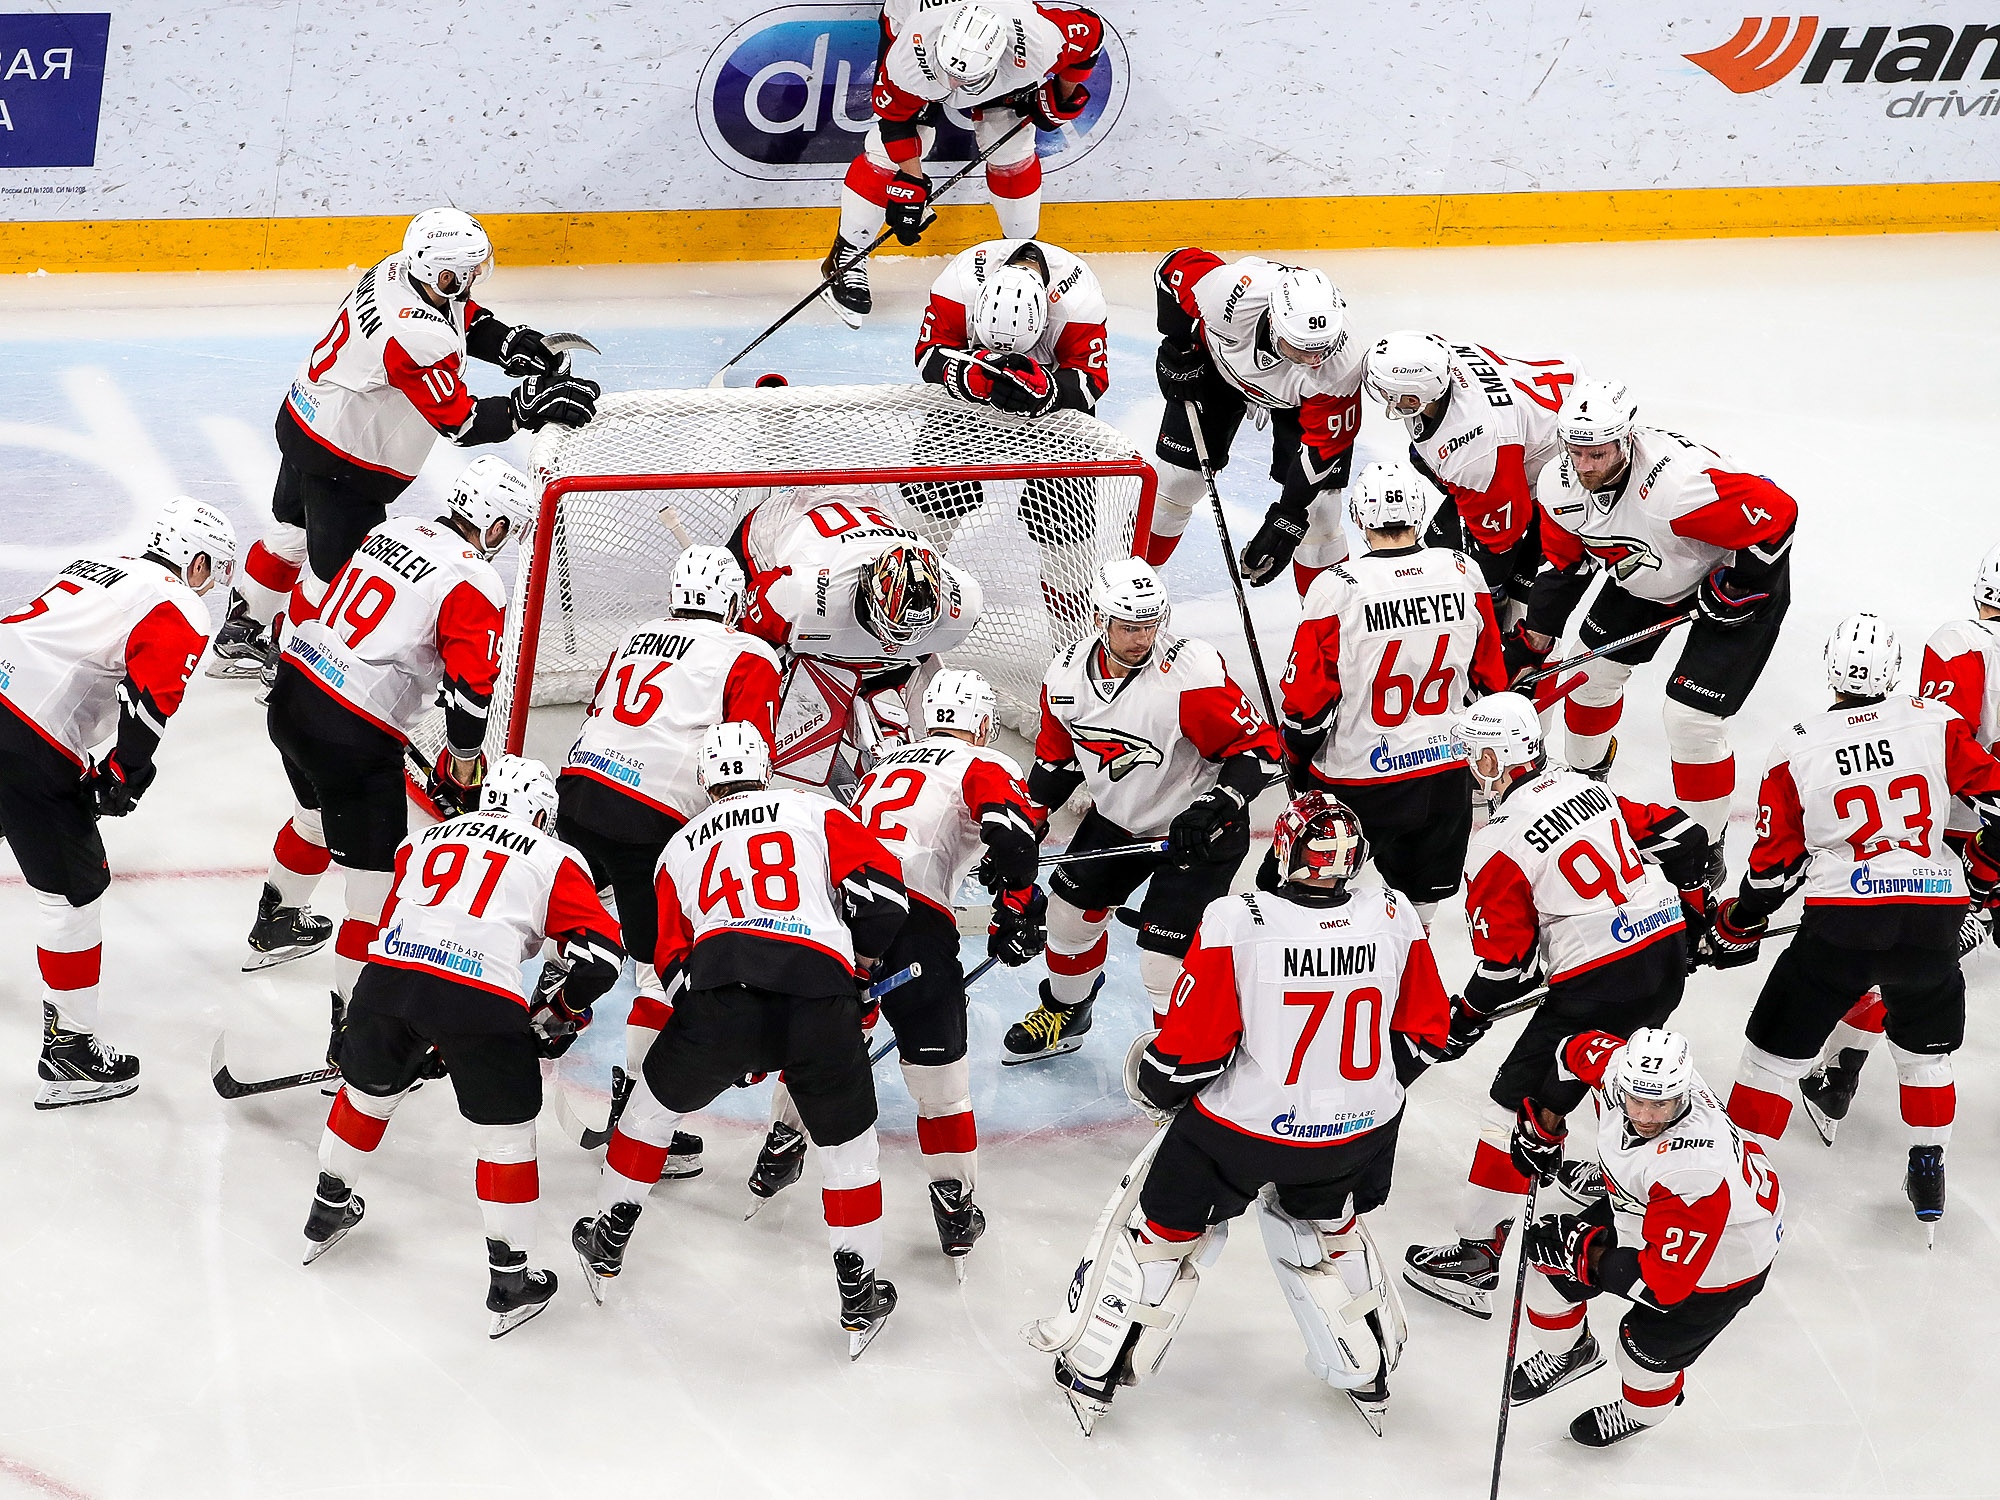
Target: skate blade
[(958, 1265), (591, 1280), (679, 1168), (1371, 1411), (316, 1248), (1085, 1410), (851, 319), (235, 667), (1825, 1124), (505, 1323), (1067, 1045), (63, 1095), (1930, 1235), (259, 959), (1463, 1301), (858, 1339)]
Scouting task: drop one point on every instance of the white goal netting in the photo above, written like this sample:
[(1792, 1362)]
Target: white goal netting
[(1028, 506)]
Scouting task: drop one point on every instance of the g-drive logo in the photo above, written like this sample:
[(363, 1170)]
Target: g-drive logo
[(1765, 51), (786, 96)]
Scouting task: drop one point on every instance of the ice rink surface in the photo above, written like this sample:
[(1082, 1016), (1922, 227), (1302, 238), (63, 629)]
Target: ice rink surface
[(161, 1339)]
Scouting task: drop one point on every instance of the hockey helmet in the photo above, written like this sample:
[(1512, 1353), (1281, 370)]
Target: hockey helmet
[(1655, 1073), (1389, 495), (1308, 317), (1863, 657), (520, 788), (447, 239), (1407, 371), (490, 489), (1506, 724), (1318, 839), (734, 756), (1011, 310), (1596, 412), (1128, 589), (970, 44), (708, 581), (185, 529), (961, 700), (903, 594), (1986, 588)]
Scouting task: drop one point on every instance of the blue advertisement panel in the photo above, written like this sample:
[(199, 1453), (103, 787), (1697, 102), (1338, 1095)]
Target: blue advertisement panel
[(51, 87)]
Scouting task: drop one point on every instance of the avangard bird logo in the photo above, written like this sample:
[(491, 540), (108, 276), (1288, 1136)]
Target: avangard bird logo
[(1118, 754)]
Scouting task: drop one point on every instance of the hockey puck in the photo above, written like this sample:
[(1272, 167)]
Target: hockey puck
[(771, 381)]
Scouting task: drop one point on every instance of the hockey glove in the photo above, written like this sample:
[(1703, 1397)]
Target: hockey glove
[(1181, 369), (117, 789), (1046, 106), (1023, 386), (907, 209), (1135, 1059), (522, 352), (1725, 604), (554, 1024), (1559, 1247), (1521, 655), (451, 795), (1468, 1025), (1730, 946), (1020, 926), (566, 400), (1195, 832), (1276, 540), (1537, 1150), (968, 378), (1982, 873), (1698, 913)]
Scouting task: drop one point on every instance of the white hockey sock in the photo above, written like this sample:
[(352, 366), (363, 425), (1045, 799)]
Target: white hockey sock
[(647, 1019), (508, 1183), (851, 1195), (298, 858), (367, 891), (270, 569), (1929, 1096), (1426, 911), (1552, 1320), (1180, 491), (354, 1128), (946, 1133), (1494, 1190), (1649, 1394), (1020, 217), (1704, 769), (1078, 941), (1760, 1102), (1157, 972), (638, 1150), (860, 220), (69, 950)]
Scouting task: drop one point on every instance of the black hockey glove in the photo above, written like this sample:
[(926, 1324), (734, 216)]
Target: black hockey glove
[(1195, 832), (1698, 914), (1276, 540), (1730, 946), (117, 788), (522, 352), (1023, 386), (1020, 927), (907, 212), (452, 795), (1521, 655), (1468, 1025), (1721, 602), (1559, 1247), (566, 400), (555, 1025), (1181, 369), (1045, 106), (1536, 1151), (968, 379), (1982, 871)]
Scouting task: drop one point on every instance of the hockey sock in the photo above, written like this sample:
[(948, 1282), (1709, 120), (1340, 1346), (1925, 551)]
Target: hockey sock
[(851, 1195), (1704, 768), (1590, 725), (637, 1153), (1493, 1188), (862, 198), (1325, 542), (1078, 941), (354, 1128), (267, 579), (1929, 1097), (367, 890), (1181, 490), (1649, 1394), (1552, 1318), (508, 1183), (1426, 910), (298, 858), (647, 1019), (69, 949), (1016, 189), (1761, 1100), (1860, 1029), (1157, 972), (946, 1133)]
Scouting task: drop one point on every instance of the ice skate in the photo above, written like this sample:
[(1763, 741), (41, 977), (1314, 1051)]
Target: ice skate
[(1829, 1090), (1610, 1423), (1372, 1401), (1462, 1275), (1050, 1029), (600, 1245), (1923, 1185), (848, 293), (866, 1301), (1602, 769), (683, 1157), (959, 1220), (77, 1067), (1582, 1179), (336, 1209), (1543, 1372), (780, 1163), (516, 1293), (242, 645), (1089, 1397), (283, 933)]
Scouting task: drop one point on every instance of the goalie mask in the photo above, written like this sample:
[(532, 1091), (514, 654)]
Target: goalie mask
[(1318, 841), (447, 250), (902, 594), (516, 787), (488, 491), (186, 529), (708, 581), (734, 757), (1011, 311)]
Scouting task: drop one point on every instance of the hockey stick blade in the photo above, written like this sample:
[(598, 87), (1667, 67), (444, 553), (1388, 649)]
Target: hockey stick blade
[(568, 343), (230, 1087), (572, 1123)]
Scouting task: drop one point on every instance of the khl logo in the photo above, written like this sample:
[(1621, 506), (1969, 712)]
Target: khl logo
[(785, 96), (1764, 51)]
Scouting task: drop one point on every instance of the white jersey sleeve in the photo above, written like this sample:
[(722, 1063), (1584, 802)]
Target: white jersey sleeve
[(1233, 299), (925, 803)]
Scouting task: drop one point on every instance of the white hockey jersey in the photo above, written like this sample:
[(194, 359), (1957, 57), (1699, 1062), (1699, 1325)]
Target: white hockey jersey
[(1288, 1008), (1962, 670), (1233, 299), (387, 376), (664, 685), (64, 654), (1075, 337), (1493, 439), (413, 608), (1152, 741), (1393, 645), (1043, 39), (926, 803)]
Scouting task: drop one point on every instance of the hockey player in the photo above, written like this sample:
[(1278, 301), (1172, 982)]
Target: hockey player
[(1682, 533), (1852, 808), (1566, 880), (1002, 62), (1686, 1233), (630, 781), (1482, 428), (101, 656), (1393, 644), (475, 897), (1255, 333), (1018, 325), (1276, 1101), (772, 904), (368, 403), (1169, 747), (416, 609)]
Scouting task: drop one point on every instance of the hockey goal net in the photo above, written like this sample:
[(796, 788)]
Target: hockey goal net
[(1029, 507)]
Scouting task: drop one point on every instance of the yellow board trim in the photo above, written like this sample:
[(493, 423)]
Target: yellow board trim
[(1229, 224)]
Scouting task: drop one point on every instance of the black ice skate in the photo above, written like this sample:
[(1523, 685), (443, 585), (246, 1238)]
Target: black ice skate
[(959, 1220), (515, 1294), (1923, 1185), (600, 1245), (866, 1301), (1829, 1090), (283, 933), (1602, 769), (1543, 1372), (1462, 1275), (336, 1209), (780, 1163), (1582, 1180), (242, 646), (1610, 1423), (1050, 1029), (77, 1067), (848, 293), (1089, 1395), (1972, 932), (1715, 874), (683, 1157)]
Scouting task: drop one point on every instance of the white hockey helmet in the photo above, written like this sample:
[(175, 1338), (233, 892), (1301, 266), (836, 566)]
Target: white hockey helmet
[(962, 700), (970, 44), (1389, 494), (1318, 839), (1595, 412), (708, 581), (185, 529), (1308, 317), (1506, 724), (1986, 587), (517, 787), (1011, 310), (1656, 1067), (733, 754), (903, 594), (490, 489), (447, 239), (1407, 371), (1863, 658)]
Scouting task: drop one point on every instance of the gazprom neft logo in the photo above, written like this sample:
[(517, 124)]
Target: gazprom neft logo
[(1925, 880), (785, 96), (1766, 50)]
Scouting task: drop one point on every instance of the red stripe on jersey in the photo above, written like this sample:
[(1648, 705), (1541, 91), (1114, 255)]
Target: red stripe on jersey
[(1958, 682), (1704, 781), (298, 854), (947, 1135), (750, 696), (1626, 952), (1312, 679), (53, 743), (1181, 272), (1758, 1112), (1650, 1399), (1071, 964), (1500, 906), (944, 326), (469, 628), (1592, 718), (507, 1182), (1423, 1009), (1748, 508), (575, 909), (1781, 837), (635, 1159), (1494, 1169), (1929, 1106), (1220, 722), (78, 970), (362, 1132), (1498, 515), (1969, 769), (1081, 347), (848, 1208), (1563, 548)]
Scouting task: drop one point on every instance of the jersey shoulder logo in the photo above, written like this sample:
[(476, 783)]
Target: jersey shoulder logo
[(1118, 755), (1623, 555)]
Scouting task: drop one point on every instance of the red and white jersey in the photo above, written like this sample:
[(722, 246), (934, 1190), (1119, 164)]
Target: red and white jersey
[(1680, 512), (1857, 798), (1557, 867), (476, 896), (927, 802), (809, 552), (1495, 436), (772, 889), (1962, 669), (1150, 742), (63, 655), (1700, 1204), (1075, 337), (1392, 646), (1293, 1005), (412, 608), (1044, 40), (388, 376), (664, 685)]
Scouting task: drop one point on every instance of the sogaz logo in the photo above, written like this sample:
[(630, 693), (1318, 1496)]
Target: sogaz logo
[(786, 96)]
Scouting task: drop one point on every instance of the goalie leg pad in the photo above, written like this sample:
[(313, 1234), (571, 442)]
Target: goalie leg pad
[(1061, 1332), (1353, 1332)]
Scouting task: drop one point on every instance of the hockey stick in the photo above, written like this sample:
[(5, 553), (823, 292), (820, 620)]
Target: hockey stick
[(1536, 996), (1513, 1338), (715, 381), (1609, 646), (1229, 557), (231, 1087), (890, 1046), (1112, 851)]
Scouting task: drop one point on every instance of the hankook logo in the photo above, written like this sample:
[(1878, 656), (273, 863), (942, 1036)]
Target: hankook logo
[(1766, 50)]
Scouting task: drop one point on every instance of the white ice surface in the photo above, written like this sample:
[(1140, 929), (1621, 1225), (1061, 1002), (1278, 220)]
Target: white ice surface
[(159, 1337)]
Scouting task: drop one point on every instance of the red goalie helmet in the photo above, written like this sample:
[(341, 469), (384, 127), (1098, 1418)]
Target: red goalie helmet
[(1319, 838), (903, 594)]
